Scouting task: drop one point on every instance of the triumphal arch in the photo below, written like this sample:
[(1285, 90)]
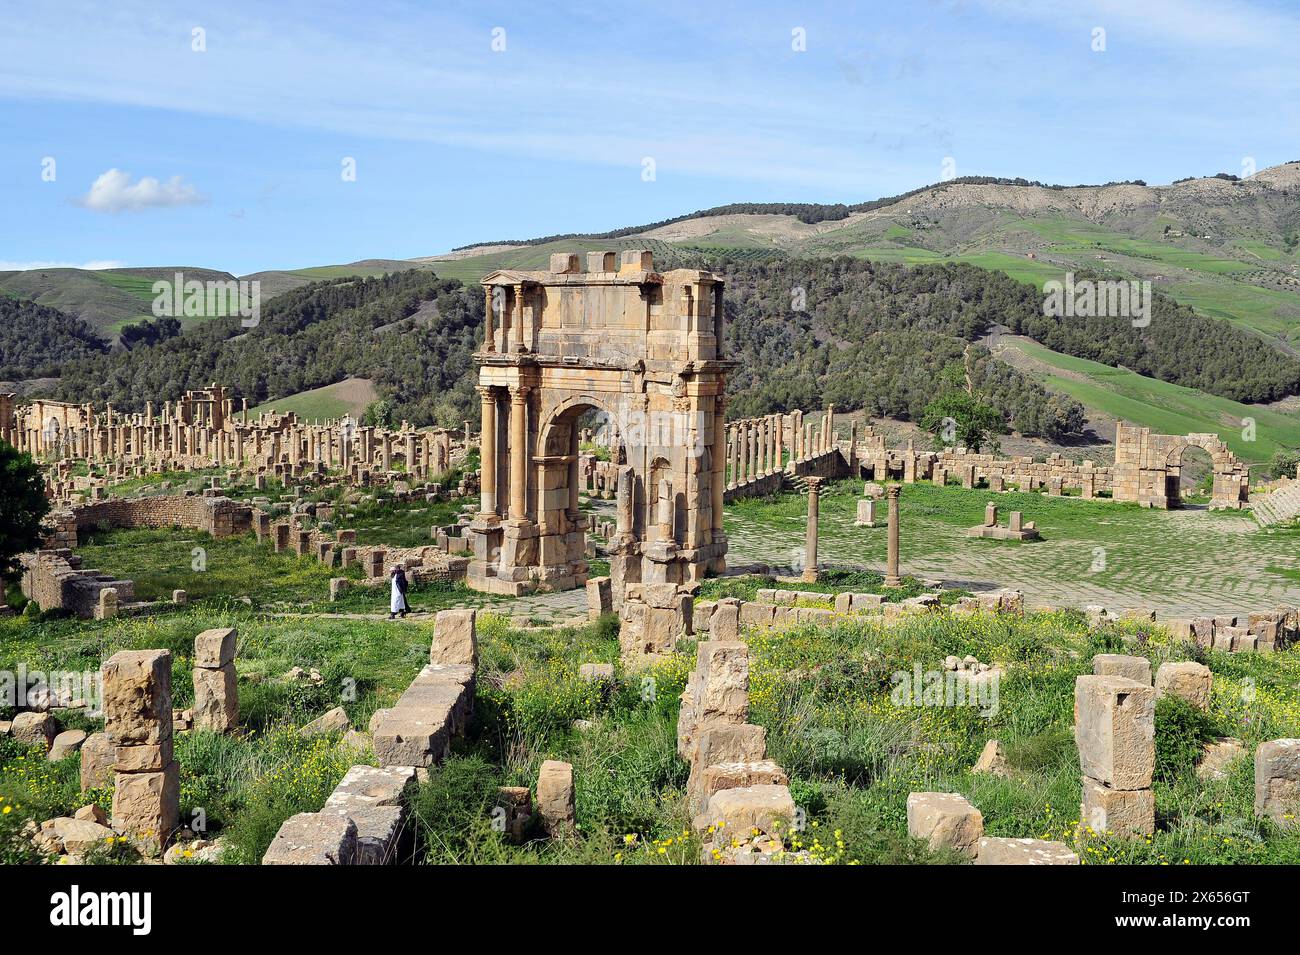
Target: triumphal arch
[(640, 350)]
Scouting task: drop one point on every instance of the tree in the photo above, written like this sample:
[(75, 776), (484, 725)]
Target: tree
[(959, 418), (22, 506)]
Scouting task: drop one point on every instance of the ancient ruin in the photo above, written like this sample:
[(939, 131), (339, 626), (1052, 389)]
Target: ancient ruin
[(639, 347)]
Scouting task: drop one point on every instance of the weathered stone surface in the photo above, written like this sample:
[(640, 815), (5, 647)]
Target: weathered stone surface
[(1189, 680), (35, 729), (80, 835), (91, 813), (992, 760), (1124, 812), (724, 681), (454, 641), (216, 699), (600, 597), (138, 696), (737, 812), (945, 821), (998, 851), (1115, 730), (97, 758), (1217, 758), (147, 806), (332, 721), (311, 838), (724, 625), (214, 649), (66, 744), (374, 799), (1277, 781), (716, 777), (555, 797), (143, 759), (1118, 664)]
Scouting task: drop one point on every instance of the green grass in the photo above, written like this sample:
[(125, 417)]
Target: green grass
[(320, 404), (1162, 406)]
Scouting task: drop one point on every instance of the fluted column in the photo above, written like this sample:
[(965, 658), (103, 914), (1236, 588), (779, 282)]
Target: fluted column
[(488, 454), (518, 453), (489, 335)]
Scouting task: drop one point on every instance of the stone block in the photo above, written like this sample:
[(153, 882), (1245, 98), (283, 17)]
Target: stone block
[(454, 640), (97, 758), (1118, 664), (716, 777), (214, 649), (146, 806), (311, 838), (600, 597), (66, 744), (945, 821), (216, 699), (331, 721), (34, 729), (999, 851), (138, 696), (1277, 781), (737, 812), (1124, 812), (1189, 680), (555, 797), (1115, 730), (724, 624)]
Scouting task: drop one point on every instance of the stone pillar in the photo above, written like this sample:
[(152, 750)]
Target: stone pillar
[(518, 454), (489, 332), (780, 439), (891, 558), (519, 320), (138, 720), (1114, 727), (216, 695), (488, 449), (717, 487), (810, 542)]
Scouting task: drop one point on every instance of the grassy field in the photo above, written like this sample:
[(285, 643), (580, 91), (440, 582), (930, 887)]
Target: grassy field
[(852, 750), (1164, 407), (1093, 552), (350, 397)]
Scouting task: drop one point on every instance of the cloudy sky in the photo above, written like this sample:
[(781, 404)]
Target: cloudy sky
[(277, 135)]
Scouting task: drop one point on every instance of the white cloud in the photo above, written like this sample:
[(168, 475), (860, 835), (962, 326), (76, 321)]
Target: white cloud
[(33, 266), (115, 192)]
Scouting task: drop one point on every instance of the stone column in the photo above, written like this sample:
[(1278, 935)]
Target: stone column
[(891, 559), (216, 695), (519, 319), (733, 455), (518, 453), (719, 478), (489, 335), (138, 720), (780, 439), (810, 543), (488, 452)]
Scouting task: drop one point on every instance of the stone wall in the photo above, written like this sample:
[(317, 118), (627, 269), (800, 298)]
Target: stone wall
[(56, 580)]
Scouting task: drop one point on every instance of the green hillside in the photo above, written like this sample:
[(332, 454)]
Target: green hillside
[(1167, 408)]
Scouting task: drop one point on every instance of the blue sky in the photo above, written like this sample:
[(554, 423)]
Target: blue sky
[(231, 157)]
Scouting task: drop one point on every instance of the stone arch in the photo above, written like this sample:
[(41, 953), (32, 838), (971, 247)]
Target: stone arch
[(609, 338)]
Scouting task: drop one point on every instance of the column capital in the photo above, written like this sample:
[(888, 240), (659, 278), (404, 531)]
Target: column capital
[(519, 392), (893, 490)]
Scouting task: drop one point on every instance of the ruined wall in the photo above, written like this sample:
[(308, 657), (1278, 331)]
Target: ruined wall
[(219, 516), (56, 581)]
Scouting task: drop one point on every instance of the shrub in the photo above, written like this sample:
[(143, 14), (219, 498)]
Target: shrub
[(1181, 734)]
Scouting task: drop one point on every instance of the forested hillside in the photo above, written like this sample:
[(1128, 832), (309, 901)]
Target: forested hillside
[(876, 337), (35, 339), (314, 336)]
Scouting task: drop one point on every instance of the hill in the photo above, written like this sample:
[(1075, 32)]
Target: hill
[(348, 397)]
